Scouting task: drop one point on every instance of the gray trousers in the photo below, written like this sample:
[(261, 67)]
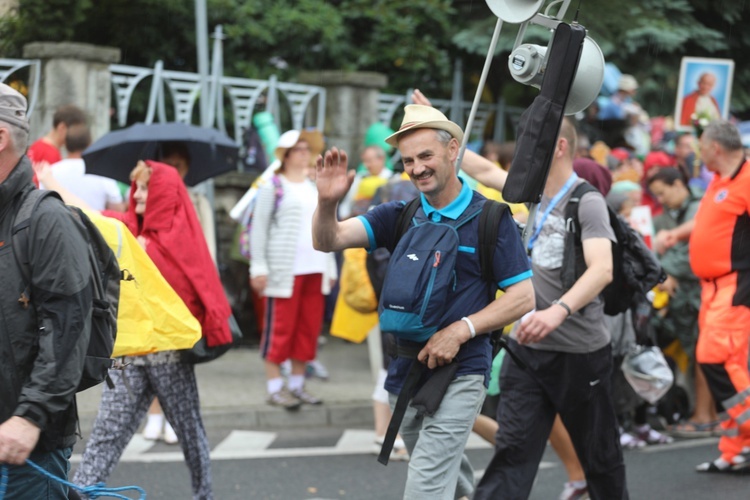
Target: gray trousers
[(438, 468), (122, 410)]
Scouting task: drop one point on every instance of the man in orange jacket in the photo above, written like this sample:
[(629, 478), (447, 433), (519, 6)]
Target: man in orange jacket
[(720, 257)]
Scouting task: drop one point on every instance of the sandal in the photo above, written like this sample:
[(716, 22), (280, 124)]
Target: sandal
[(689, 429)]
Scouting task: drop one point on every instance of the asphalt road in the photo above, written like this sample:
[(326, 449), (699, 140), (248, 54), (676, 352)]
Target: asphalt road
[(333, 464)]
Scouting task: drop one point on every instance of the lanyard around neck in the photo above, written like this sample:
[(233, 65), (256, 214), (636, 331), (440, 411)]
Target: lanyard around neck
[(552, 204)]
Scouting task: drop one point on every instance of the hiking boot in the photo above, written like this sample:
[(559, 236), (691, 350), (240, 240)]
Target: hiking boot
[(305, 397), (573, 490), (284, 399)]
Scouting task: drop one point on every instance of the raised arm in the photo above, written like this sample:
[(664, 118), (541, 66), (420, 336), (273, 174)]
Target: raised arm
[(333, 181)]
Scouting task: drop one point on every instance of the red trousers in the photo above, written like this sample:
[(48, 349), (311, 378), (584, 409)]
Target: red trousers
[(291, 326)]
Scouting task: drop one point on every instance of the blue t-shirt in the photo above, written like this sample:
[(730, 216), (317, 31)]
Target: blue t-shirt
[(472, 294)]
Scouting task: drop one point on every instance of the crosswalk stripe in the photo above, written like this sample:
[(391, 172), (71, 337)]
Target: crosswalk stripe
[(243, 441), (248, 445)]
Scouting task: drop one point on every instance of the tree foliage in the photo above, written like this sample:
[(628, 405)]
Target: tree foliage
[(415, 43), (648, 38)]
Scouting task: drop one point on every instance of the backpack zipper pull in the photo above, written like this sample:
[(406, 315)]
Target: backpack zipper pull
[(437, 258)]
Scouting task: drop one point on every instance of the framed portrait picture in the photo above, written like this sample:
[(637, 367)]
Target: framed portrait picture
[(704, 90)]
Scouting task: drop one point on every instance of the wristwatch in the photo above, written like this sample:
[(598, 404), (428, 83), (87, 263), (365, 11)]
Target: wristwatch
[(562, 304)]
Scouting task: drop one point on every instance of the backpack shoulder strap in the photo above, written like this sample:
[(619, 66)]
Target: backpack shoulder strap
[(489, 225), (21, 224), (404, 220), (571, 209), (571, 255)]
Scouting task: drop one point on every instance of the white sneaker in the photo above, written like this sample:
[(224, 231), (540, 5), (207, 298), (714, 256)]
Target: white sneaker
[(152, 431), (169, 435)]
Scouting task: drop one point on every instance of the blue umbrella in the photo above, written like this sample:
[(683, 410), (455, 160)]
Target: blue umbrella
[(115, 155)]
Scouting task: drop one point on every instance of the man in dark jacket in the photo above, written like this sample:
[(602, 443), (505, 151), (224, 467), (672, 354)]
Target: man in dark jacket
[(45, 321)]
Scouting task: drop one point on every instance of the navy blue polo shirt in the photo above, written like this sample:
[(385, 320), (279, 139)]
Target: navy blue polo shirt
[(472, 294)]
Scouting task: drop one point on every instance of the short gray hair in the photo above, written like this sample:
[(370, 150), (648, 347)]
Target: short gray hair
[(19, 137), (443, 136), (725, 134)]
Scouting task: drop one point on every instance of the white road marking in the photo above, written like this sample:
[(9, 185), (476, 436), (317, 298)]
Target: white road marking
[(250, 445)]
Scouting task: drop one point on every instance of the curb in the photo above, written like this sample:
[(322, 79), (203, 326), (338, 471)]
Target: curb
[(350, 414)]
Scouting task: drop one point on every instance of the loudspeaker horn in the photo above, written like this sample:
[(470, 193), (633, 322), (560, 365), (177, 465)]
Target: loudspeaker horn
[(527, 62), (515, 11)]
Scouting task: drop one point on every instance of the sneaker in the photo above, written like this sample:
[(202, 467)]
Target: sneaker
[(573, 490), (169, 435), (630, 442), (284, 399), (316, 369), (739, 463), (651, 436), (305, 397), (152, 431)]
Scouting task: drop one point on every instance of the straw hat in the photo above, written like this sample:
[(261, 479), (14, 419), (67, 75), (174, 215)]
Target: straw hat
[(291, 137), (418, 116)]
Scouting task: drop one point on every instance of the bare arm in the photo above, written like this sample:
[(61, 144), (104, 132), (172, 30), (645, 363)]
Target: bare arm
[(442, 347), (597, 253), (333, 182), (668, 238), (483, 170), (47, 179)]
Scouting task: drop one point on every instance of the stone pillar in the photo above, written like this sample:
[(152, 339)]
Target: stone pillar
[(351, 106), (72, 73)]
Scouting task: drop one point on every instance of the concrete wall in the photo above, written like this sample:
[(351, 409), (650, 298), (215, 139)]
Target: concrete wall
[(351, 105), (73, 73), (7, 6)]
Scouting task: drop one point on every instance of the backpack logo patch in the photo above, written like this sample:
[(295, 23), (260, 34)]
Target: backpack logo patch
[(413, 257)]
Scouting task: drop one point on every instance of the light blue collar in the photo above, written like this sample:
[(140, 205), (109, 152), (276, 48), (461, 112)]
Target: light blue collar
[(455, 208)]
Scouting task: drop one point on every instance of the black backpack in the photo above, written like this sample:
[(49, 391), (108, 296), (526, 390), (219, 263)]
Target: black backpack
[(635, 269), (105, 277)]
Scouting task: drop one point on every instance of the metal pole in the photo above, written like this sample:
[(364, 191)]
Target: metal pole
[(201, 38), (478, 95)]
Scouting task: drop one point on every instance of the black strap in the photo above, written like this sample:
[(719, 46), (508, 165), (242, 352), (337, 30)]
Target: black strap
[(404, 220), (21, 222), (489, 226), (569, 273), (407, 392)]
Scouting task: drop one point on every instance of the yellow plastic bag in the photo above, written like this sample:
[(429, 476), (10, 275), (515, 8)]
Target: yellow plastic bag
[(355, 282), (349, 324), (151, 316)]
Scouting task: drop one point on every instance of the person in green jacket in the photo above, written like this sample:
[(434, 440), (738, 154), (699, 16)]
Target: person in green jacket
[(679, 320)]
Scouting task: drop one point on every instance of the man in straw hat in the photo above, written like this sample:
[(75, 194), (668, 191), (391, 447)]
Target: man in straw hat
[(44, 331), (429, 146)]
